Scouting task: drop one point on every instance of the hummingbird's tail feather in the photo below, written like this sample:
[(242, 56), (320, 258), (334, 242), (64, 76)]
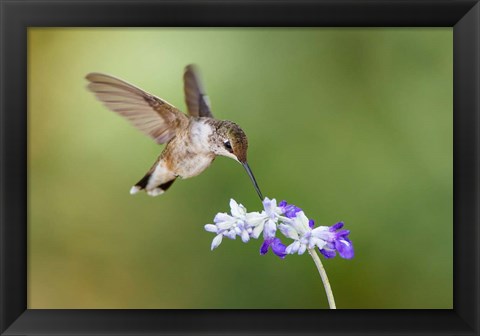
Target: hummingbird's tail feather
[(151, 186), (142, 184), (166, 185)]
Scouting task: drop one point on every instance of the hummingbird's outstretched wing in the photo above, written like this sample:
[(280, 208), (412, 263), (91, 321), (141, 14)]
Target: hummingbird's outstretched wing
[(196, 98), (153, 116)]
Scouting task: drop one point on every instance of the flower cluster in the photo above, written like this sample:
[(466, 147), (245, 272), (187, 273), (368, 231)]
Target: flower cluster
[(290, 220)]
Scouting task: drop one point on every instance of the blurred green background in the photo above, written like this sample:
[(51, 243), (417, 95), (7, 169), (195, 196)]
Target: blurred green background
[(349, 124)]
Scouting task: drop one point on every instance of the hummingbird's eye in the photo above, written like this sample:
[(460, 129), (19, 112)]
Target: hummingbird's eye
[(228, 146)]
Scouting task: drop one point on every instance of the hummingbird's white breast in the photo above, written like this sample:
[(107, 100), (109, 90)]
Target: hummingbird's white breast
[(201, 132), (192, 150)]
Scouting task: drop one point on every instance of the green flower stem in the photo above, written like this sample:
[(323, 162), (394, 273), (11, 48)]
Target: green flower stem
[(323, 275)]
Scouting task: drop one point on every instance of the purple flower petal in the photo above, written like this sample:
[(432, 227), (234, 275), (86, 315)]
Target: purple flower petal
[(278, 248), (337, 241), (327, 253), (276, 245), (336, 227), (345, 248), (289, 210), (342, 234), (265, 246), (311, 223)]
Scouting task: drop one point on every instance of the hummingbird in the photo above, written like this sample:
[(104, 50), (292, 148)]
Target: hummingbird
[(192, 141)]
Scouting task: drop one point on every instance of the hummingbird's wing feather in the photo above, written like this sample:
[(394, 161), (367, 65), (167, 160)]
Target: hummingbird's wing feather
[(196, 98), (153, 116)]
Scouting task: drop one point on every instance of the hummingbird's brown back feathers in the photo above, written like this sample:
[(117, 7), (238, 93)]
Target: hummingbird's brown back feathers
[(153, 116)]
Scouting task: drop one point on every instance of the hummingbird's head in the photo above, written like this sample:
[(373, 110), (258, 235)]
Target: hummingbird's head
[(232, 142)]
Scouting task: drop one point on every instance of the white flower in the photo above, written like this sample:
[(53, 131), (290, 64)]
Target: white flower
[(230, 226), (266, 220), (245, 224), (216, 241), (292, 223), (304, 237)]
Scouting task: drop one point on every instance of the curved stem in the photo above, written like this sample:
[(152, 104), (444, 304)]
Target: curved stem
[(323, 275)]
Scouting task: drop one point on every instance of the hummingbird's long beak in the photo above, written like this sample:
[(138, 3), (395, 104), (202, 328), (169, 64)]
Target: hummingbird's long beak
[(249, 171)]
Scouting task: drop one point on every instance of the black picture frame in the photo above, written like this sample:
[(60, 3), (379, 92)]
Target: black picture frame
[(18, 15)]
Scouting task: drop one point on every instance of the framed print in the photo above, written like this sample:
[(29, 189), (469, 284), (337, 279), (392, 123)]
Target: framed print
[(363, 114)]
